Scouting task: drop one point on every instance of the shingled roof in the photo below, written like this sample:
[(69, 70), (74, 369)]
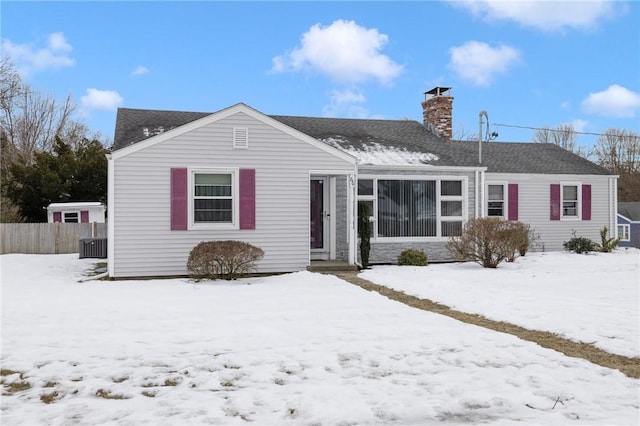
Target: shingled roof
[(367, 138), (630, 210)]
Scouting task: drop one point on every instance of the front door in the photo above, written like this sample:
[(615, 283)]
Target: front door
[(319, 217)]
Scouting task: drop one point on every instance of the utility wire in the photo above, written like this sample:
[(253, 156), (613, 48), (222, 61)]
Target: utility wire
[(556, 130)]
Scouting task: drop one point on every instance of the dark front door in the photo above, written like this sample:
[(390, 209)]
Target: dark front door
[(317, 213)]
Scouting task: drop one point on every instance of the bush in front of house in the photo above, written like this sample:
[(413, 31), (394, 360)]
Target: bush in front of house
[(227, 259), (579, 244), (490, 241), (607, 244), (412, 257), (364, 232)]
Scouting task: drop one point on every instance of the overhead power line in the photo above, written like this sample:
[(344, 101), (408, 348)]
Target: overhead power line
[(554, 130)]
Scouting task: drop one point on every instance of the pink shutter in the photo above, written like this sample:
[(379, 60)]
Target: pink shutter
[(57, 216), (84, 216), (513, 201), (247, 199), (586, 202), (179, 200), (555, 202)]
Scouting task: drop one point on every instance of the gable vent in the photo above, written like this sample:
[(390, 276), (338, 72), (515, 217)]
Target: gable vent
[(240, 137)]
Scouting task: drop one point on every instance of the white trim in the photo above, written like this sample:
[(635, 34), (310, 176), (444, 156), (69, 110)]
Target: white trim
[(324, 252), (505, 198), (226, 113), (111, 227), (628, 232), (613, 204), (514, 177), (578, 215), (352, 222), (421, 167), (235, 194), (332, 218)]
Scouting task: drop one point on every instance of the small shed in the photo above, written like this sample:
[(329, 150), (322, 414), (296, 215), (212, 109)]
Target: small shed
[(629, 224), (81, 212)]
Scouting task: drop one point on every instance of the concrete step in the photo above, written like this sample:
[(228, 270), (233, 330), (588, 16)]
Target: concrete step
[(329, 266)]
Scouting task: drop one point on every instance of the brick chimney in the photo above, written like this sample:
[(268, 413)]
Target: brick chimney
[(437, 111)]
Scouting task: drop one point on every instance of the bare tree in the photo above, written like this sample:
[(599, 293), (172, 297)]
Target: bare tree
[(563, 135), (29, 120), (619, 151)]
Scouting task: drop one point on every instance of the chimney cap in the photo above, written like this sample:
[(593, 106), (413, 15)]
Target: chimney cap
[(438, 91)]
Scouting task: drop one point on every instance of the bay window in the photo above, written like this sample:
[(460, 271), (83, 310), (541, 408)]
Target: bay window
[(414, 208)]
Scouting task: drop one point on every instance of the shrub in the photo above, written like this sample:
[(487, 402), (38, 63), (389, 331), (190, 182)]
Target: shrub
[(579, 244), (222, 259), (411, 257), (489, 241), (607, 244), (364, 232)]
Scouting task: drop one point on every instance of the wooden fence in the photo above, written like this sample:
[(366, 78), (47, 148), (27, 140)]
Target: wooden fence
[(47, 238)]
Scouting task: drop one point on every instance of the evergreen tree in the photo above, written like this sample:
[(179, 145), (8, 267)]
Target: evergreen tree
[(62, 175)]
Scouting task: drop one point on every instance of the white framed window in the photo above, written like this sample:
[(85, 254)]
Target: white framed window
[(624, 232), (496, 200), (451, 208), (213, 198), (570, 197), (410, 207), (71, 217)]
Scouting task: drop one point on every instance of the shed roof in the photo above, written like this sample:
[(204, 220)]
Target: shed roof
[(630, 210), (382, 142)]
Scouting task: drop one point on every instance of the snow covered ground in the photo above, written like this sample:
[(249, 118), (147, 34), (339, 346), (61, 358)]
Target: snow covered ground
[(300, 348), (593, 298)]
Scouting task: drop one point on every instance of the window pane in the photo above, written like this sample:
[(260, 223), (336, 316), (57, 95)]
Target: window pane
[(496, 192), (406, 208), (570, 193), (213, 179), (496, 208), (451, 187), (570, 208), (451, 208), (71, 217), (365, 186), (212, 191), (212, 210), (451, 229), (370, 204)]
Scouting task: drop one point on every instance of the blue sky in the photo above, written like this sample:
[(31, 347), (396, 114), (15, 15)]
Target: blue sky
[(530, 64)]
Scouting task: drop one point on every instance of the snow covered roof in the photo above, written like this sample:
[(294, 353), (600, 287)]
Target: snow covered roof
[(76, 205)]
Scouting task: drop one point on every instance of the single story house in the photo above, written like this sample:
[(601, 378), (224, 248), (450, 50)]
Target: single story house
[(290, 185), (629, 224), (80, 212)]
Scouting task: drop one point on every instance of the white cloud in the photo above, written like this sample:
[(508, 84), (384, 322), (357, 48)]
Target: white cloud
[(479, 63), (346, 103), (140, 70), (344, 51), (27, 59), (542, 15), (579, 125), (616, 101), (96, 99)]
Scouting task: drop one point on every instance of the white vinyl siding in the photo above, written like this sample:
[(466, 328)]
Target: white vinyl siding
[(144, 245), (534, 207)]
